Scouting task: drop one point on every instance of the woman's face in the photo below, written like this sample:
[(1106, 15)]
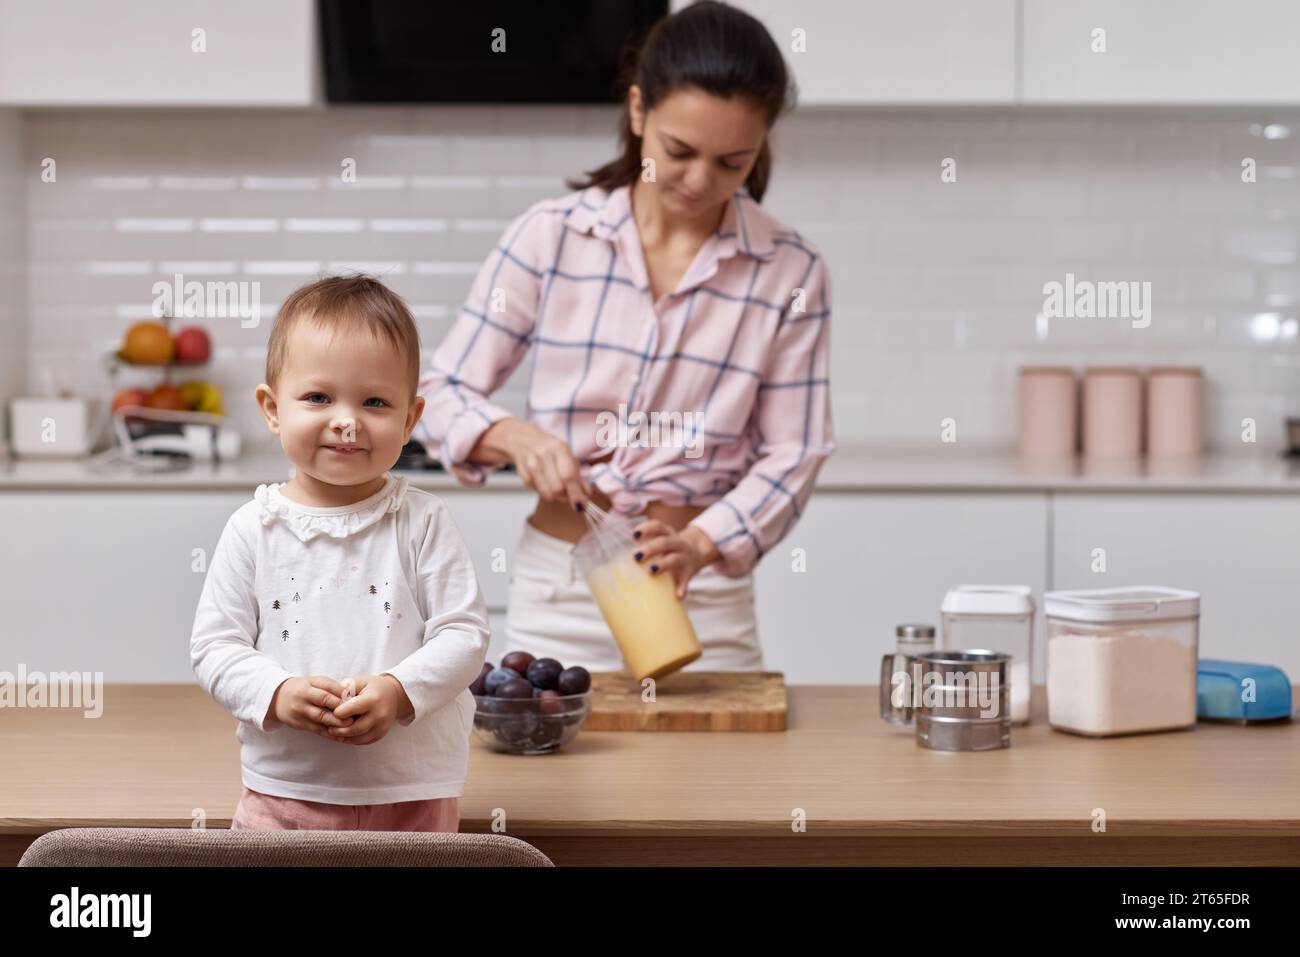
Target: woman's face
[(353, 391), (703, 146)]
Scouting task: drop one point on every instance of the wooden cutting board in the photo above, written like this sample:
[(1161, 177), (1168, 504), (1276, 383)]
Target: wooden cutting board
[(689, 701)]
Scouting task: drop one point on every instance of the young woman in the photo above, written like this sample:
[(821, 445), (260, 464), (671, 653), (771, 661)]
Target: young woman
[(659, 287)]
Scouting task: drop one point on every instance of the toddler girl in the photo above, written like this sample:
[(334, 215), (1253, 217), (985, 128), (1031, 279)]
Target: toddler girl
[(341, 620)]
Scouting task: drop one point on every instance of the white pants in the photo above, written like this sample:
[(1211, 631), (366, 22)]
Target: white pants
[(551, 612)]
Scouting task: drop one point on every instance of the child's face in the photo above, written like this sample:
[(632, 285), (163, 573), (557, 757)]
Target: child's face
[(352, 392)]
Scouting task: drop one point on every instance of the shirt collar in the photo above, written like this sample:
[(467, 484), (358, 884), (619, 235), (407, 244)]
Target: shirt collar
[(745, 226)]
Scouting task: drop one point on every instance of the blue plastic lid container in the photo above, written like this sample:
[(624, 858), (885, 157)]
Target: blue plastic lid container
[(1224, 694)]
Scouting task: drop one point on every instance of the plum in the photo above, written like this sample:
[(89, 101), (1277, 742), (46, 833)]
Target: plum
[(575, 680), (477, 685), (548, 734), (515, 688), (517, 661), (549, 702), (517, 730), (499, 676), (544, 673)]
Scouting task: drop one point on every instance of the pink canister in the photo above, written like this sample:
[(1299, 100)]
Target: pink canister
[(1175, 412), (1112, 412), (1047, 402)]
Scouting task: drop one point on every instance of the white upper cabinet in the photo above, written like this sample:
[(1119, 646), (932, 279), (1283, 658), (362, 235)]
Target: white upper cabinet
[(842, 52), (147, 53), (894, 51), (1172, 51)]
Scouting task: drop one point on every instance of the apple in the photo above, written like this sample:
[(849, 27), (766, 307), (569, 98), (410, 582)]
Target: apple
[(129, 397), (193, 345), (167, 396)]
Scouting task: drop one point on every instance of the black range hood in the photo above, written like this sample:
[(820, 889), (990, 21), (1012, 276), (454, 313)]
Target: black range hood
[(432, 51)]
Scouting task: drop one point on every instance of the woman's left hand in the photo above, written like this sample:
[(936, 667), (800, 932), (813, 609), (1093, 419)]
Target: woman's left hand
[(662, 549)]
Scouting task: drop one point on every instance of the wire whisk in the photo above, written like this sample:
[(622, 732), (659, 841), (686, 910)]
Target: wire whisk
[(596, 516)]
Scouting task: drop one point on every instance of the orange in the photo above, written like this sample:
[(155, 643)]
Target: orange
[(148, 342)]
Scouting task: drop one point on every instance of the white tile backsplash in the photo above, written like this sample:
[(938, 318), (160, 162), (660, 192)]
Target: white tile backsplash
[(936, 285)]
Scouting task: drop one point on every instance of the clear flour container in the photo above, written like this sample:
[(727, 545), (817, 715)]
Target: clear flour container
[(995, 618), (1122, 660)]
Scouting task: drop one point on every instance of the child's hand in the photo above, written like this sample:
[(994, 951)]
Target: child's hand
[(379, 701), (308, 703)]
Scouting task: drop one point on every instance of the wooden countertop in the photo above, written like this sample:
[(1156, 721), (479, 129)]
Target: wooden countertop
[(869, 794)]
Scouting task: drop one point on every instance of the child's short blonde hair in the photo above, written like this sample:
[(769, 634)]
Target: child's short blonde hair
[(347, 303)]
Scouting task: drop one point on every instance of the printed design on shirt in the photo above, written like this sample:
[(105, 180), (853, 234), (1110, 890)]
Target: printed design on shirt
[(388, 606), (276, 606), (338, 581)]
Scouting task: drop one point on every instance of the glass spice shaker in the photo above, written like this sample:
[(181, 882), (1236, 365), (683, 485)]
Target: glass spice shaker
[(897, 672)]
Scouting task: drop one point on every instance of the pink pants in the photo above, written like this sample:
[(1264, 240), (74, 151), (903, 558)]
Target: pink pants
[(267, 812)]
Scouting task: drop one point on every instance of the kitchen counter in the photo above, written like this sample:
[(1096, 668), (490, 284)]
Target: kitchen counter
[(850, 469), (1215, 795)]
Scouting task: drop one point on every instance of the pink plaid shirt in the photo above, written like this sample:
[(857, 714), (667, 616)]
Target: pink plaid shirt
[(730, 369)]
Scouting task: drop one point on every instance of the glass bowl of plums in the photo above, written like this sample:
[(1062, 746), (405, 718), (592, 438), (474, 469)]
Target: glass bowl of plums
[(530, 705)]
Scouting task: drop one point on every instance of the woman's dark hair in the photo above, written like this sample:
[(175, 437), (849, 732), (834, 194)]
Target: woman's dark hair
[(711, 47)]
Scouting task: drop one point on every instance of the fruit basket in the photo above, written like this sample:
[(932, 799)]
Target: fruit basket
[(152, 345)]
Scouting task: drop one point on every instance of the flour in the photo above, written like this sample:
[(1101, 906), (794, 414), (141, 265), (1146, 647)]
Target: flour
[(1120, 683)]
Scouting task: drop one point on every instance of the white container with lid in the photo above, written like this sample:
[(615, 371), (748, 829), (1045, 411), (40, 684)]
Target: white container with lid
[(1122, 660), (994, 618)]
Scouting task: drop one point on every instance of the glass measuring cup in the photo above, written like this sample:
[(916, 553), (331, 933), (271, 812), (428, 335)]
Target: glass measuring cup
[(646, 618)]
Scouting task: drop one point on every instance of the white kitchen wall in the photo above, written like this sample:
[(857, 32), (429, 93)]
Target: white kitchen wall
[(937, 286), (13, 261)]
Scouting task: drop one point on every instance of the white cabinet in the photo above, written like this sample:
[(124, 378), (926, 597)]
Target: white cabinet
[(490, 523), (842, 52), (1189, 51), (1240, 552), (143, 52), (111, 586), (876, 560), (107, 581), (894, 51)]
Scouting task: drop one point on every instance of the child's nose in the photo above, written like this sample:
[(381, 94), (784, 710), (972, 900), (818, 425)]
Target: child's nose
[(346, 423)]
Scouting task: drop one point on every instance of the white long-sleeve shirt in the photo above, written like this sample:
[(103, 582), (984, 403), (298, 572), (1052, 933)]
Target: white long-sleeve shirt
[(385, 585)]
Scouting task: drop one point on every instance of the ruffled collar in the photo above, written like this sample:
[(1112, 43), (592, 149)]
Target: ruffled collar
[(309, 521)]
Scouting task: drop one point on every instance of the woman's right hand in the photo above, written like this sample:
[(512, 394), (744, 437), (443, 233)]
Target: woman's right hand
[(545, 463), (308, 703)]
